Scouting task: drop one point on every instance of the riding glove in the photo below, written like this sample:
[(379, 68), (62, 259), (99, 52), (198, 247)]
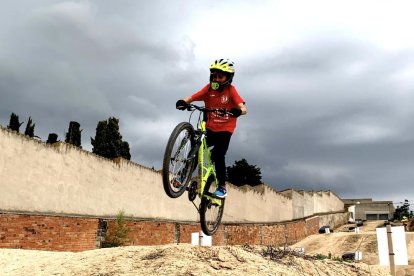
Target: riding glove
[(236, 112), (181, 105)]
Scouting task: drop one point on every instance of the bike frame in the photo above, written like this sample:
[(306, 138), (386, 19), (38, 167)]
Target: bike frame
[(206, 167)]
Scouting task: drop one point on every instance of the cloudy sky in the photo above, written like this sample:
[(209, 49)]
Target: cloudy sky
[(329, 85)]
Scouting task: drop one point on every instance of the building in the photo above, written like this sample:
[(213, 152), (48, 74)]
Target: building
[(367, 209)]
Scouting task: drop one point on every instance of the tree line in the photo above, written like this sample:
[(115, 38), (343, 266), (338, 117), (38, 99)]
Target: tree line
[(109, 144), (403, 211)]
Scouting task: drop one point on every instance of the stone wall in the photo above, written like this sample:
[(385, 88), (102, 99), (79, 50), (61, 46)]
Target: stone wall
[(57, 197), (61, 179)]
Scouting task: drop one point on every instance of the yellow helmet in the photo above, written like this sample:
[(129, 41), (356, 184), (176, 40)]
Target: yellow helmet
[(224, 65)]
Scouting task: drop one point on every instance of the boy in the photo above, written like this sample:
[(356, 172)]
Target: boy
[(219, 93)]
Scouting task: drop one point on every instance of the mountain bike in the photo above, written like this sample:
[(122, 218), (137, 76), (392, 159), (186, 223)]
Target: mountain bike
[(187, 148)]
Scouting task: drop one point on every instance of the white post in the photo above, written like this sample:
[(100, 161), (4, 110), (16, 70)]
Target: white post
[(390, 250), (195, 238), (200, 238), (358, 256)]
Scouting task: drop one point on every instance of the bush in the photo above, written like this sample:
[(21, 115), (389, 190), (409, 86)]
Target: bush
[(119, 235), (242, 173)]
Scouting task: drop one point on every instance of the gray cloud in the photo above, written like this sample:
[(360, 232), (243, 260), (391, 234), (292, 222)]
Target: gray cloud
[(327, 110), (329, 117)]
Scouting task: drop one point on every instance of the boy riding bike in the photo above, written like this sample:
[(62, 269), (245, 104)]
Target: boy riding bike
[(220, 94)]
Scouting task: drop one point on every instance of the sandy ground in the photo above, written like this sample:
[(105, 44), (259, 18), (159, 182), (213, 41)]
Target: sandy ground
[(185, 259), (171, 260)]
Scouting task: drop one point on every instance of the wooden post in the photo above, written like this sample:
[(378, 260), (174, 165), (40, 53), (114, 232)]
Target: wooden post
[(390, 250)]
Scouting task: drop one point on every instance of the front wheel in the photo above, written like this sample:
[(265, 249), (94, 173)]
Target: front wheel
[(211, 209), (177, 165)]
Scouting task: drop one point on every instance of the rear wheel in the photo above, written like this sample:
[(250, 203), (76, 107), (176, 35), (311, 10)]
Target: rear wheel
[(210, 211), (177, 165)]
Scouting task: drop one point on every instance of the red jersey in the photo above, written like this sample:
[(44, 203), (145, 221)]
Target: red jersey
[(228, 98)]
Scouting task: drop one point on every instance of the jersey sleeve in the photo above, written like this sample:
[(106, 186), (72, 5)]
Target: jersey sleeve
[(200, 95), (237, 99)]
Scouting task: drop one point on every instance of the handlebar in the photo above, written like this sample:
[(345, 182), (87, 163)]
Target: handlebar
[(192, 107)]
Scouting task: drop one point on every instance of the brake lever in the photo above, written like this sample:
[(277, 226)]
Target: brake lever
[(190, 107)]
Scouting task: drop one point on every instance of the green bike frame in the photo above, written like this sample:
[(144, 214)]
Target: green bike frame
[(206, 167)]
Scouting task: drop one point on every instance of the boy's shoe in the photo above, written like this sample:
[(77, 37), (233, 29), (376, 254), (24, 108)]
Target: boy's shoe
[(220, 192)]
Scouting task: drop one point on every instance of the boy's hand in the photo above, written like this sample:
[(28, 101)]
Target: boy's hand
[(236, 112), (181, 105)]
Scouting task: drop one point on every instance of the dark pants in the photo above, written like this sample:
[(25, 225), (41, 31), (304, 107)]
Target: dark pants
[(220, 142)]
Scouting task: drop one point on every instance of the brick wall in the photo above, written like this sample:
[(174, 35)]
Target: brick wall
[(242, 234), (150, 233), (313, 224), (185, 230), (295, 231), (274, 234), (47, 232), (57, 233)]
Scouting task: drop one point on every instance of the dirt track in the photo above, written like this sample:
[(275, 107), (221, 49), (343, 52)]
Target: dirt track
[(340, 242)]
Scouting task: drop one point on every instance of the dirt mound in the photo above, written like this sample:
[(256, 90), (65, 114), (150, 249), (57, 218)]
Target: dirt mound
[(342, 241), (174, 260), (336, 244)]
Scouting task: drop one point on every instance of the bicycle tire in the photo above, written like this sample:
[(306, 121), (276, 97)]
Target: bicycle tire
[(176, 161), (210, 214)]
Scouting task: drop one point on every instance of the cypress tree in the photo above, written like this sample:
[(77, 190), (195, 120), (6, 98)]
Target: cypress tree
[(73, 136), (100, 146), (14, 122), (125, 150), (30, 128), (108, 141)]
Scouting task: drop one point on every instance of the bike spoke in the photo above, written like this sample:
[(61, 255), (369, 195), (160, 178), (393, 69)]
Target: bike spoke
[(176, 160), (211, 209)]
